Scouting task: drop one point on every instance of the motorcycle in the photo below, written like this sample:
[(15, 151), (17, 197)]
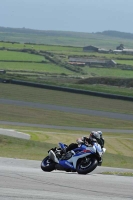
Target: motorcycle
[(82, 160)]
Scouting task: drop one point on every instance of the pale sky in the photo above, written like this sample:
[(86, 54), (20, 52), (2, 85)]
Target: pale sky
[(68, 15)]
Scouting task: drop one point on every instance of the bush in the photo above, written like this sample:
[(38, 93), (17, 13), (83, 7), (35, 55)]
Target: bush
[(124, 82)]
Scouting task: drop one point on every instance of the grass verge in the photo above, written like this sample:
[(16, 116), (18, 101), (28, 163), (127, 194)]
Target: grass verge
[(119, 154), (24, 149), (43, 116), (39, 95), (118, 173)]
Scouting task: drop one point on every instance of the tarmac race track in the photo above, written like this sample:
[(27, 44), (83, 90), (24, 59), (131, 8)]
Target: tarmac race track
[(68, 109), (23, 179)]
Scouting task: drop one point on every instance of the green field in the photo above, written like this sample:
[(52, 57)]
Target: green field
[(31, 94), (34, 67), (53, 48), (19, 56), (66, 50), (125, 62), (53, 68), (64, 38), (92, 72), (33, 115), (105, 88)]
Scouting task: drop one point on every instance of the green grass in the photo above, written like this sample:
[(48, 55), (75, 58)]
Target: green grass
[(18, 70), (44, 47), (39, 95), (36, 67), (107, 72), (116, 57), (19, 56), (116, 143), (103, 88), (67, 50), (118, 161), (23, 149), (42, 116), (118, 173), (66, 38), (125, 62)]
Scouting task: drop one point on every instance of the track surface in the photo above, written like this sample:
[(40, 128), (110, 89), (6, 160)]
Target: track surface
[(14, 133), (23, 179), (68, 109), (62, 127)]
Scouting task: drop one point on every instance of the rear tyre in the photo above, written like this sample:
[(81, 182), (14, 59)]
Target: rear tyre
[(84, 167), (47, 164)]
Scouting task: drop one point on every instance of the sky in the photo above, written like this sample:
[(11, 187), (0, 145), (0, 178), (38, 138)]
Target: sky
[(68, 15)]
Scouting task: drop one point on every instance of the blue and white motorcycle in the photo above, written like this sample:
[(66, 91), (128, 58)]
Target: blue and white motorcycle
[(82, 160)]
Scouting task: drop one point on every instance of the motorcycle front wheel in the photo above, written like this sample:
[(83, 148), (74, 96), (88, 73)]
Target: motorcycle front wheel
[(47, 164), (85, 167)]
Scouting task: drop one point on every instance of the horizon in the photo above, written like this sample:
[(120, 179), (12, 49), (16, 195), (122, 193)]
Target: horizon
[(63, 30), (72, 15)]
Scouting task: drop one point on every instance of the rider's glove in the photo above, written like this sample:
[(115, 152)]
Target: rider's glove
[(79, 141)]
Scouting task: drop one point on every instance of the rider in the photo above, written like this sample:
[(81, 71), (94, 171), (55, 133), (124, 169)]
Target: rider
[(95, 136), (101, 138)]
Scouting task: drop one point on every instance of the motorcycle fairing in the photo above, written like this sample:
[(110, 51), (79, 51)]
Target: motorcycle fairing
[(83, 152), (66, 164), (53, 156), (62, 146)]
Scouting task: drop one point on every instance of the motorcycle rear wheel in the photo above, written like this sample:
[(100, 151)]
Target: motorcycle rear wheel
[(85, 168), (47, 165)]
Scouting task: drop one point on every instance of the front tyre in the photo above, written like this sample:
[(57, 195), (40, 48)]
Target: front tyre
[(84, 167), (47, 164)]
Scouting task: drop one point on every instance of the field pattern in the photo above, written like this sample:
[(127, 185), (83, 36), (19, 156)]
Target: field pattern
[(18, 56), (53, 60), (36, 67)]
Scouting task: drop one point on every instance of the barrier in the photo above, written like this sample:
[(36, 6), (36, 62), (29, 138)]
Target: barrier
[(65, 89)]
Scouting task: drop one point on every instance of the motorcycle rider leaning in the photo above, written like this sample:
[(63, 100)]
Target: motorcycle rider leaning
[(95, 136)]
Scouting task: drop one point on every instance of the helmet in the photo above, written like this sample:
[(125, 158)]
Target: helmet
[(94, 135), (100, 132)]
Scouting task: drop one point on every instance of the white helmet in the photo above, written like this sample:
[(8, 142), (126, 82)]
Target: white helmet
[(100, 133)]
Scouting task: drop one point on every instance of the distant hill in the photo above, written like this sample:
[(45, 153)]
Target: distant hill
[(117, 34), (105, 39), (109, 33), (45, 32)]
